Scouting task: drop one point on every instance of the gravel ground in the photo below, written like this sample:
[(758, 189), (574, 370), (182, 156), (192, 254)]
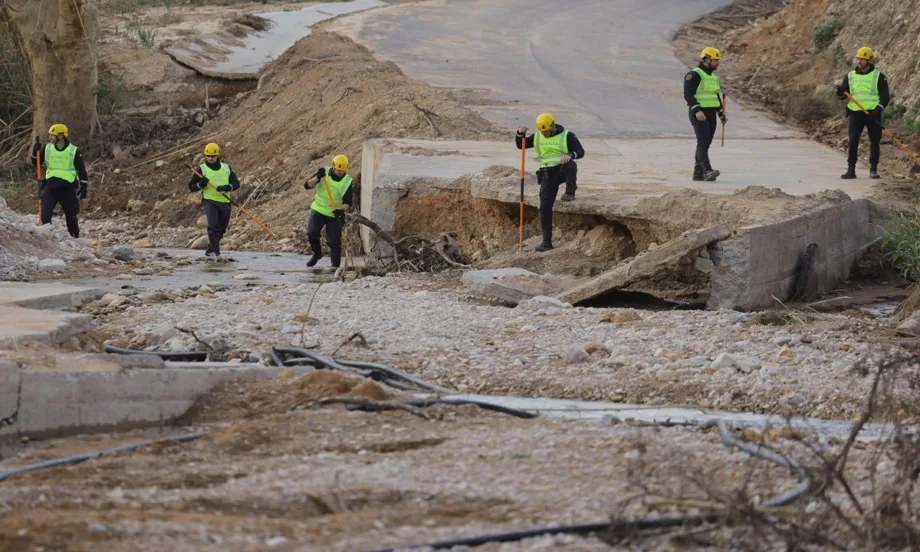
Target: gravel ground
[(431, 327), (327, 479)]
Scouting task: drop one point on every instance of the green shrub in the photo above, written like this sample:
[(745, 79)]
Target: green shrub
[(827, 31), (900, 242)]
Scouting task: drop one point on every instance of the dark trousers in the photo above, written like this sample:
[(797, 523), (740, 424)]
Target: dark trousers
[(705, 131), (218, 215), (66, 196), (333, 236), (549, 180), (856, 122)]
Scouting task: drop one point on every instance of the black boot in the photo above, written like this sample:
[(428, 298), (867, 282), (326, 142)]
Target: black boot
[(873, 173), (314, 259), (709, 174), (335, 258), (697, 173), (545, 246), (850, 174)]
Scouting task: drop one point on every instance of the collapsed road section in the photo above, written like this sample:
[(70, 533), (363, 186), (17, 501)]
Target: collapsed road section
[(471, 190)]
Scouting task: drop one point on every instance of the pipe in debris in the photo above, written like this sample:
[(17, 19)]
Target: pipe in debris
[(165, 355), (420, 403), (76, 459)]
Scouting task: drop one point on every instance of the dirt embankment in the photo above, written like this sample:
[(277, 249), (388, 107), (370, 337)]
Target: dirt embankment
[(788, 57)]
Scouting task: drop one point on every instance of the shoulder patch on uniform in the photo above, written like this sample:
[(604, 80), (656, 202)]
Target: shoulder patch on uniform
[(689, 75)]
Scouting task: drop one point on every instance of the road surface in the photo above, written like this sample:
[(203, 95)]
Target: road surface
[(604, 68)]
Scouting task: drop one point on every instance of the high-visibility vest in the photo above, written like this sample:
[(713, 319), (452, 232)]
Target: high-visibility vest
[(707, 92), (864, 89), (220, 177), (59, 163), (552, 149), (322, 203)]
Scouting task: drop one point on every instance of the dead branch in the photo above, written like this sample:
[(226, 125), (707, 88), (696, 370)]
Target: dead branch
[(376, 405)]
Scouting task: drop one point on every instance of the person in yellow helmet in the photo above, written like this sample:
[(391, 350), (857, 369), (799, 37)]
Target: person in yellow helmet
[(558, 149), (869, 87), (65, 181), (702, 92), (333, 199), (215, 204)]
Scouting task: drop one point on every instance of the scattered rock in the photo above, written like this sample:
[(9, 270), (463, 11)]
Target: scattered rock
[(142, 271), (748, 364), (592, 347), (124, 253), (247, 276), (200, 243), (577, 355), (621, 317), (911, 326), (724, 360), (52, 264), (142, 243)]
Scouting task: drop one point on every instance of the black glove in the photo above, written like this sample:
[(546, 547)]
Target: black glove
[(202, 184), (83, 189), (339, 215), (320, 173), (41, 186), (877, 112), (37, 147), (225, 188)]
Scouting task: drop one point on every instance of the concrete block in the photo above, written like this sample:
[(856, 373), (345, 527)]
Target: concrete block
[(170, 410), (46, 295), (119, 413), (10, 380), (761, 262), (48, 327)]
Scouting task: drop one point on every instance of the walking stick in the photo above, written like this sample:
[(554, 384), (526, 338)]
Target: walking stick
[(724, 113), (523, 158), (38, 176), (885, 130), (348, 258), (235, 204)]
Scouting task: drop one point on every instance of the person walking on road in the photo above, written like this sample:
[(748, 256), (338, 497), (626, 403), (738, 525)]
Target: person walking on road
[(333, 199), (215, 203), (65, 180), (558, 149), (869, 87), (702, 92)]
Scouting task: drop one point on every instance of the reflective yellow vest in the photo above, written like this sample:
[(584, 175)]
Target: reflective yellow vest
[(60, 163), (219, 178), (552, 149), (707, 92), (864, 89), (322, 203)]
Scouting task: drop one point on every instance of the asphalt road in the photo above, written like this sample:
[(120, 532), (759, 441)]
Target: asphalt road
[(602, 67)]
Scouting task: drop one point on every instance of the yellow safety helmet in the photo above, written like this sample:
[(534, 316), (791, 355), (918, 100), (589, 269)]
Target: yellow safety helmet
[(545, 122), (711, 53), (865, 53), (211, 149), (340, 162), (58, 130)]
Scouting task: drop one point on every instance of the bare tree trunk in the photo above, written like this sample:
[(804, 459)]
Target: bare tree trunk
[(60, 38)]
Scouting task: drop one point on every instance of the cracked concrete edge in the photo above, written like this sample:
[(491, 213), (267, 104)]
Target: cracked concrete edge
[(54, 404)]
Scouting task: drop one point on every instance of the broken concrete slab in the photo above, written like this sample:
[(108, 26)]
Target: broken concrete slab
[(48, 327), (647, 264), (46, 295), (56, 403), (489, 282), (514, 285), (226, 55)]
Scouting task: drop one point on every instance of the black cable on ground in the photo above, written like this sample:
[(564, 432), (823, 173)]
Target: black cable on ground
[(76, 459), (165, 355), (484, 405), (313, 358), (583, 529)]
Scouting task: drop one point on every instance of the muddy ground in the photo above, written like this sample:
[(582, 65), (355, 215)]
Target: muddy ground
[(323, 478)]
